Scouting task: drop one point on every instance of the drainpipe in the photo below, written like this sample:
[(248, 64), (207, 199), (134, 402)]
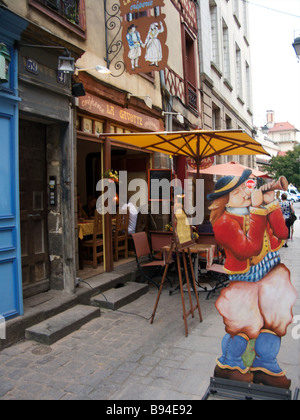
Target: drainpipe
[(199, 35), (70, 249), (167, 101)]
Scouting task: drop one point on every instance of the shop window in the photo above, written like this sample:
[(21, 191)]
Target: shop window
[(69, 13), (118, 129), (89, 125)]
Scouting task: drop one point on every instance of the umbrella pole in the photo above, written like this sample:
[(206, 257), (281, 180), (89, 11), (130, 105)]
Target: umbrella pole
[(198, 159), (198, 168)]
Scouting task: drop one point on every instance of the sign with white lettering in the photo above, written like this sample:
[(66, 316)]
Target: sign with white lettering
[(125, 116), (32, 66), (144, 35)]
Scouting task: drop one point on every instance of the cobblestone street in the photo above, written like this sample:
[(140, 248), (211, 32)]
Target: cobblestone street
[(120, 356)]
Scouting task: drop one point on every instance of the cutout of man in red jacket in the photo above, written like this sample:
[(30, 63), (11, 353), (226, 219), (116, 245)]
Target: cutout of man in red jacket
[(249, 225)]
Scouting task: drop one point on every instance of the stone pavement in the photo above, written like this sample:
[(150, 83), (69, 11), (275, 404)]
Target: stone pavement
[(120, 356)]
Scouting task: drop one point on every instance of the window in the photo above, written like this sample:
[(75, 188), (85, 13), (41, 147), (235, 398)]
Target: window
[(228, 122), (214, 34), (69, 9), (245, 20), (248, 86), (190, 71), (236, 11), (285, 137), (226, 53), (238, 66), (69, 13), (216, 117)]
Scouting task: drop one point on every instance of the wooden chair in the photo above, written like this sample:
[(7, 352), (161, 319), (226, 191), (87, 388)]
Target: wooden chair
[(145, 261), (159, 239), (120, 236), (220, 275), (94, 246)]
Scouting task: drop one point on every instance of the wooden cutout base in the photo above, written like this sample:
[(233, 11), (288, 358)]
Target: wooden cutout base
[(235, 390)]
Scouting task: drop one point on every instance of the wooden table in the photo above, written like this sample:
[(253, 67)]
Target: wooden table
[(85, 228), (208, 249)]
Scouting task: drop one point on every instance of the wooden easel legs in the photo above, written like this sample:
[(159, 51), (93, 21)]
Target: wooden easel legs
[(192, 308)]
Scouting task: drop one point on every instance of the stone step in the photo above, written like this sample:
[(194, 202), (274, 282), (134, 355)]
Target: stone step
[(120, 296), (58, 326)]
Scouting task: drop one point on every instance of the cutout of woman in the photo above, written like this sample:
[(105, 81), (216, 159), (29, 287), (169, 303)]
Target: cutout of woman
[(153, 45)]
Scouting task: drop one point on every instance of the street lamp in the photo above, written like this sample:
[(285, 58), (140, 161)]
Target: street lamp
[(296, 46), (66, 64), (265, 129)]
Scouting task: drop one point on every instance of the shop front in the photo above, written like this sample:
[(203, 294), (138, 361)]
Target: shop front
[(97, 156), (46, 150)]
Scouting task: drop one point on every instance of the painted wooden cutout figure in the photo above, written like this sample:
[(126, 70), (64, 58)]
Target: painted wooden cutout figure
[(249, 225), (153, 45), (134, 41)]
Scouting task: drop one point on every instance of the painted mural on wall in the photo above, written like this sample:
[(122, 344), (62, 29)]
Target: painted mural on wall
[(144, 35), (257, 306)]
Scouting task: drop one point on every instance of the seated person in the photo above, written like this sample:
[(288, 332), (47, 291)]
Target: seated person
[(81, 213), (90, 207), (133, 215)]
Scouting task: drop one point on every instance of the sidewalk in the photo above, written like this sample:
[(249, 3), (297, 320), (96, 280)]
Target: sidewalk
[(122, 357)]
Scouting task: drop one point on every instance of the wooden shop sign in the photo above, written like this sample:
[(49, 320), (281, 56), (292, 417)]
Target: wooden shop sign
[(100, 107), (144, 35)]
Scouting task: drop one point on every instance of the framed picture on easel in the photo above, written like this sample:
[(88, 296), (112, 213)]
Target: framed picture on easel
[(181, 244)]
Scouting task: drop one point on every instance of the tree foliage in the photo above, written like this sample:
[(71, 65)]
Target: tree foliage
[(288, 166)]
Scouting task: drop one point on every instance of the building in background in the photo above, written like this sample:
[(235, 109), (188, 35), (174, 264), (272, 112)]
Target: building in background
[(277, 138), (225, 67), (225, 70), (283, 134)]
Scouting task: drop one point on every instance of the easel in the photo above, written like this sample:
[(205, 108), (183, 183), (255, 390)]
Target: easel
[(181, 243)]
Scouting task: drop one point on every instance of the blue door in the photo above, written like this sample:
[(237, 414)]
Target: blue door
[(10, 259), (11, 299)]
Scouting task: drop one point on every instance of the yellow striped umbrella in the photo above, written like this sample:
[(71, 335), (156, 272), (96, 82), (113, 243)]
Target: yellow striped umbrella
[(198, 144)]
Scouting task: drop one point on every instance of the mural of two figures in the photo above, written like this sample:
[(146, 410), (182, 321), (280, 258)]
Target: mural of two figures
[(257, 306), (144, 35), (152, 45)]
